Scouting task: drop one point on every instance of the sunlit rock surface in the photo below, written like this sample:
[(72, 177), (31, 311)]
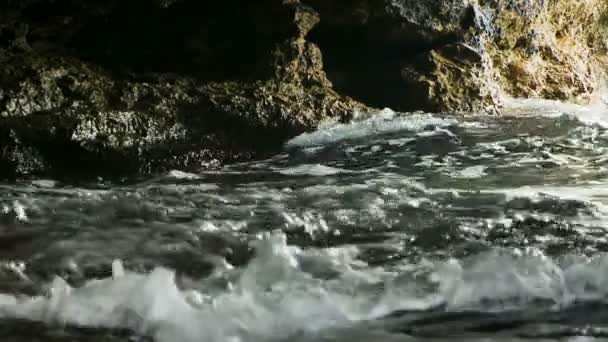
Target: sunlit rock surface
[(462, 55)]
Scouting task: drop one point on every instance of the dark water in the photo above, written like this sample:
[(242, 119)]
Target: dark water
[(398, 228)]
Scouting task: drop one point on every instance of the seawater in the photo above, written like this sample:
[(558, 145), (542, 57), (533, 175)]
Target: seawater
[(396, 227)]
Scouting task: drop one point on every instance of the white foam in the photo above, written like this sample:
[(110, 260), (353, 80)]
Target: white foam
[(400, 141), (471, 172), (310, 221), (499, 275), (272, 297), (386, 121), (117, 269), (177, 174), (44, 183), (594, 113), (584, 193), (279, 295), (498, 280), (436, 132), (16, 212), (311, 170), (595, 196), (312, 150)]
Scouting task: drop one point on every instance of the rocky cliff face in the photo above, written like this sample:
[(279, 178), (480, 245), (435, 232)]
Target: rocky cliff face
[(110, 88), (114, 89), (549, 49), (462, 54)]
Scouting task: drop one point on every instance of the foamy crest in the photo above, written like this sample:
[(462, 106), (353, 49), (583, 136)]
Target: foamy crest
[(272, 297), (595, 113), (470, 172), (502, 280), (15, 212), (386, 121), (312, 170), (286, 291)]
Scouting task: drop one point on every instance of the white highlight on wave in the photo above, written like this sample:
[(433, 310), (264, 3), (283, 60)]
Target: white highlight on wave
[(275, 296), (388, 121), (593, 194), (515, 277), (286, 291), (385, 121), (312, 170), (471, 172), (593, 113)]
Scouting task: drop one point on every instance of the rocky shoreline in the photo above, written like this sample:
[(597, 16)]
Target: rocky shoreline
[(116, 88)]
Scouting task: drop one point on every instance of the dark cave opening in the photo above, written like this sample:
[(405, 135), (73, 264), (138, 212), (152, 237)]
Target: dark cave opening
[(365, 50)]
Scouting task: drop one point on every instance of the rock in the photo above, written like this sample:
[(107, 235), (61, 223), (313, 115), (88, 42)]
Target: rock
[(446, 78), (551, 50), (411, 54), (113, 88), (64, 116), (400, 53)]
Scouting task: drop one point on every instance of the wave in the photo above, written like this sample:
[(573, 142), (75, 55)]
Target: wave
[(286, 291), (594, 113), (389, 121), (312, 170), (385, 121)]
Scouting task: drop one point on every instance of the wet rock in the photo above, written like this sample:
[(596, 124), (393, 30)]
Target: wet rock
[(378, 51), (73, 114), (110, 88), (462, 55)]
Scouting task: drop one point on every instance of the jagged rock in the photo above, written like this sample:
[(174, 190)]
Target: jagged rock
[(400, 53), (121, 87), (549, 49), (446, 78), (62, 115)]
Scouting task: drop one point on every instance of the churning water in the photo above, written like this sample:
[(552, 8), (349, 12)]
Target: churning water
[(396, 227)]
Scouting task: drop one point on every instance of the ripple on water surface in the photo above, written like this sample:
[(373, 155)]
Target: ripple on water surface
[(419, 227)]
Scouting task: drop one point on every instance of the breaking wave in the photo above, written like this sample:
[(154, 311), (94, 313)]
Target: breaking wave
[(395, 227)]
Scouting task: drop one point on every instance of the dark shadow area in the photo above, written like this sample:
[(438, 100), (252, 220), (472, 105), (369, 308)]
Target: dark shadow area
[(365, 49), (209, 40)]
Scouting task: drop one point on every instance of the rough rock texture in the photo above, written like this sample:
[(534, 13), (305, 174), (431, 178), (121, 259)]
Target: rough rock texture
[(66, 112), (551, 49), (462, 54), (115, 88), (406, 54)]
